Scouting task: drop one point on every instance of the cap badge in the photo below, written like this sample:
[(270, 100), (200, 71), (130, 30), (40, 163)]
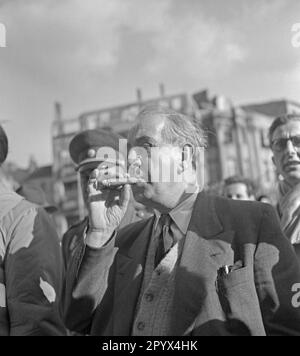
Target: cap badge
[(91, 153)]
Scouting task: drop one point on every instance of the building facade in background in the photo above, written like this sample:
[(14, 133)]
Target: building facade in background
[(237, 140)]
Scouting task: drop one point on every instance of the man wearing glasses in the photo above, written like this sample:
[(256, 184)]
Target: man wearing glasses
[(284, 135)]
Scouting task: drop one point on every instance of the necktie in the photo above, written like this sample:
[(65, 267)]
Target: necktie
[(164, 236)]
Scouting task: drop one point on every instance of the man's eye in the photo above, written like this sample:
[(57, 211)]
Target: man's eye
[(296, 141)]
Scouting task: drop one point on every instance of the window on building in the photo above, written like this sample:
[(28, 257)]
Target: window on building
[(245, 134), (228, 135), (65, 156), (129, 114), (71, 189), (104, 118), (267, 171), (264, 138), (247, 167), (91, 122), (231, 167)]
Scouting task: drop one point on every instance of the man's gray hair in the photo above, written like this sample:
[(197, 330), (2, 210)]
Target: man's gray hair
[(179, 129)]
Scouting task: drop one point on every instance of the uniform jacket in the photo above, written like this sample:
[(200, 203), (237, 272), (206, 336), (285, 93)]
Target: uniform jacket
[(30, 270), (103, 285)]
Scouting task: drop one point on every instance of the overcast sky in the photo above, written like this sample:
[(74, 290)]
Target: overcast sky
[(93, 54)]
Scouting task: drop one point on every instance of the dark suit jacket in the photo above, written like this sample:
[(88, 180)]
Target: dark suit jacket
[(102, 285)]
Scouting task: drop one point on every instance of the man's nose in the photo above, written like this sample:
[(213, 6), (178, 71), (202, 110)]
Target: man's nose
[(290, 149)]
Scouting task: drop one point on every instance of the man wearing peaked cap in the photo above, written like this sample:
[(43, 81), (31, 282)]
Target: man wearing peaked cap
[(84, 147), (87, 149)]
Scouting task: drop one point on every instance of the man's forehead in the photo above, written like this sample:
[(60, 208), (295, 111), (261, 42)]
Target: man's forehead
[(289, 129), (150, 127)]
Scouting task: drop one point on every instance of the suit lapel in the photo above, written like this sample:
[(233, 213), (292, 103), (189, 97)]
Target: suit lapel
[(207, 247), (128, 282)]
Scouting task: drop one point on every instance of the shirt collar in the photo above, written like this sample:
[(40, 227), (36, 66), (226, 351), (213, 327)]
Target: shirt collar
[(182, 213)]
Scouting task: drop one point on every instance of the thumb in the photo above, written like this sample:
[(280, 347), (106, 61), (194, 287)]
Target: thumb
[(93, 182), (92, 187), (125, 197)]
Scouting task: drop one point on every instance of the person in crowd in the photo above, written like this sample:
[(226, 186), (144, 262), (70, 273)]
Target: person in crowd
[(238, 188), (30, 266), (284, 136), (202, 265), (36, 195), (83, 149)]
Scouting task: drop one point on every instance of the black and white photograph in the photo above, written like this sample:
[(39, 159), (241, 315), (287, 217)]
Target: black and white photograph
[(149, 170)]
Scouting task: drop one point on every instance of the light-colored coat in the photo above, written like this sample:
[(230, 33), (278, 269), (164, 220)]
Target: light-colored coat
[(30, 270)]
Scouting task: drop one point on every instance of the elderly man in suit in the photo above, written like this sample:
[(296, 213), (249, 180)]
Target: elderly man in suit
[(201, 266), (238, 188)]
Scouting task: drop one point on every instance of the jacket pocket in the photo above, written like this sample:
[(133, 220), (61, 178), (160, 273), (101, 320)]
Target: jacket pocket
[(240, 303), (236, 277)]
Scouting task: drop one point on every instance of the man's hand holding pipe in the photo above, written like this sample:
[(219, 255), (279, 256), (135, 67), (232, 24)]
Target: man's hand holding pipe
[(106, 207)]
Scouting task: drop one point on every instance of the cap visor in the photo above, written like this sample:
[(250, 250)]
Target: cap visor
[(88, 164), (94, 163)]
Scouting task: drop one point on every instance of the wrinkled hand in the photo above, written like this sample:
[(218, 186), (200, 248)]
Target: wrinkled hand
[(290, 207), (106, 207)]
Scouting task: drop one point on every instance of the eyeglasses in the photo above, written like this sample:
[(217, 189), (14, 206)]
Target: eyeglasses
[(281, 143)]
